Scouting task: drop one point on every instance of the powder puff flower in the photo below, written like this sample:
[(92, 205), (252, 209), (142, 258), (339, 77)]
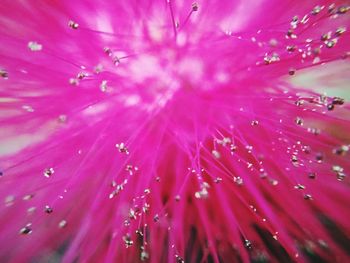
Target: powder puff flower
[(174, 131)]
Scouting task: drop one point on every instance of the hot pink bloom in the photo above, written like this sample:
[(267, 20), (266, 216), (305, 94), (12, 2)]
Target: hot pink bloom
[(173, 131)]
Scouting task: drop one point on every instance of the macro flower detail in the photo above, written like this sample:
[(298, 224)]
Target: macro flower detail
[(174, 131)]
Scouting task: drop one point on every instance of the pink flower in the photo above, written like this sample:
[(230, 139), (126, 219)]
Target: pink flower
[(173, 131)]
